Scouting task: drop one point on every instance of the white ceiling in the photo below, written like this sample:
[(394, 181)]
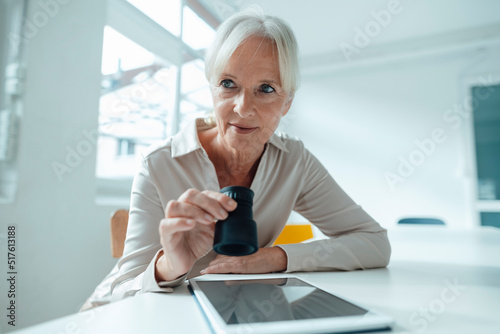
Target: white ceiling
[(321, 25)]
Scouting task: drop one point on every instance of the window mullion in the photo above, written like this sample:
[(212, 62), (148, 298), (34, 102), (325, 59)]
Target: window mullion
[(176, 116)]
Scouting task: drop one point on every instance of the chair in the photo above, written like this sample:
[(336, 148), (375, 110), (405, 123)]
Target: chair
[(118, 224), (119, 220), (422, 221), (293, 234)]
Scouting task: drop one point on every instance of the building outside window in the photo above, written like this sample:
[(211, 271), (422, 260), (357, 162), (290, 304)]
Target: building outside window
[(147, 97)]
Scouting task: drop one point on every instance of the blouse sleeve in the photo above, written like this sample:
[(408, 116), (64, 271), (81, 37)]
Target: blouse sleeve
[(135, 271), (355, 240)]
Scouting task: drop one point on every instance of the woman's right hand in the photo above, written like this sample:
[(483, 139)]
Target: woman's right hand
[(187, 232)]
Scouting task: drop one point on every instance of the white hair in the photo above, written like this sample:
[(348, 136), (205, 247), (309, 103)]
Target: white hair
[(248, 23)]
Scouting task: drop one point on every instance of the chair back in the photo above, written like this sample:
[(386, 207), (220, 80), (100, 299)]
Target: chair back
[(422, 221), (118, 224), (293, 234)]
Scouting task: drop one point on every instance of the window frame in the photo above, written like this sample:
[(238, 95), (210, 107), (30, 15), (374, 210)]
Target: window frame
[(470, 173), (126, 19)]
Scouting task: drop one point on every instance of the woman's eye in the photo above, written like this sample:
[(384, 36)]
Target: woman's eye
[(266, 88), (227, 83)]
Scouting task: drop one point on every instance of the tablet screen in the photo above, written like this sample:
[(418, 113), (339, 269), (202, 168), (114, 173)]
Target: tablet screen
[(276, 299)]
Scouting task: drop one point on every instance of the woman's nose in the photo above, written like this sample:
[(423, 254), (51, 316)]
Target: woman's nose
[(244, 104)]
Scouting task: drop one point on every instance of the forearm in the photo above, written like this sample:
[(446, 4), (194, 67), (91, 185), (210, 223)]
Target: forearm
[(360, 250), (266, 260), (278, 260)]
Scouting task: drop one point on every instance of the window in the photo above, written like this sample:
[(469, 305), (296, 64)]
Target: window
[(137, 100), (490, 219), (126, 147), (196, 99), (148, 95), (486, 102), (166, 13), (195, 32), (11, 78), (195, 94), (487, 139)]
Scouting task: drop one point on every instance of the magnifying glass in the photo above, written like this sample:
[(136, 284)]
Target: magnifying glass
[(237, 234)]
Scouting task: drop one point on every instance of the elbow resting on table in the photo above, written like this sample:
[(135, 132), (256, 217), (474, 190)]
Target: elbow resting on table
[(369, 250), (383, 247)]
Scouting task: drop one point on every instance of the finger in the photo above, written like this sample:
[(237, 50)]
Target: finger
[(169, 227), (205, 232), (227, 202), (204, 202), (210, 201), (216, 203), (220, 268), (228, 265), (219, 258), (176, 209)]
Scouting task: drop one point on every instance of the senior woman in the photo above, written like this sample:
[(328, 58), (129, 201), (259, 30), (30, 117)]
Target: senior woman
[(252, 68)]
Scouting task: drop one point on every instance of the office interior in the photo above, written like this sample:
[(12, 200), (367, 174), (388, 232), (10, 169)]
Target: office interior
[(400, 100)]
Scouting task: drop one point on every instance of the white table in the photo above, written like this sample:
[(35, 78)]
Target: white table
[(440, 280)]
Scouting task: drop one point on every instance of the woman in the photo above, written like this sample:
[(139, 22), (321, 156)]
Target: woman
[(252, 68)]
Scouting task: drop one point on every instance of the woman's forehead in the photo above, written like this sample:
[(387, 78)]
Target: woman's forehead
[(256, 56)]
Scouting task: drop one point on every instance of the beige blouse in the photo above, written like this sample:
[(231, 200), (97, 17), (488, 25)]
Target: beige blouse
[(288, 178)]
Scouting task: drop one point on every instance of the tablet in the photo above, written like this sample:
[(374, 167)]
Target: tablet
[(279, 304)]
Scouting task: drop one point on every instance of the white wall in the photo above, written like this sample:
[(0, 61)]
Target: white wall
[(358, 120), (62, 236)]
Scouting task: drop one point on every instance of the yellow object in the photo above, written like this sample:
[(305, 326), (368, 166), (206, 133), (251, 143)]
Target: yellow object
[(293, 234)]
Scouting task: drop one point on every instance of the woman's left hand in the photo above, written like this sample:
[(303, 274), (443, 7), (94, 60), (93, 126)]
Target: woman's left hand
[(266, 260)]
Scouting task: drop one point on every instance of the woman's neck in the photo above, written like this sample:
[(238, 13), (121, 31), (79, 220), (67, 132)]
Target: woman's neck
[(233, 167)]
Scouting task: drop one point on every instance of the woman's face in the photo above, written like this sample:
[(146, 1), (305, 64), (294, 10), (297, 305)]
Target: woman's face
[(248, 98)]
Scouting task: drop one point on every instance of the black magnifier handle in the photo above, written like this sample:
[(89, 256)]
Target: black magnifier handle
[(237, 234)]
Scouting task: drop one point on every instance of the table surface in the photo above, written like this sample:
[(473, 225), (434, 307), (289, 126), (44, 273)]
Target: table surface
[(440, 280)]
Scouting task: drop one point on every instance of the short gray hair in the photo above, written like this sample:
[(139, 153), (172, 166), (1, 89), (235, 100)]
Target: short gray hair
[(248, 23)]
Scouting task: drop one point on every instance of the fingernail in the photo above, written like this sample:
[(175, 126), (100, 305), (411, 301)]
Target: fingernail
[(208, 218), (190, 222), (232, 204), (222, 214), (203, 272)]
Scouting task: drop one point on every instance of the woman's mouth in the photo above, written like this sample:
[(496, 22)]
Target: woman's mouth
[(242, 129)]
